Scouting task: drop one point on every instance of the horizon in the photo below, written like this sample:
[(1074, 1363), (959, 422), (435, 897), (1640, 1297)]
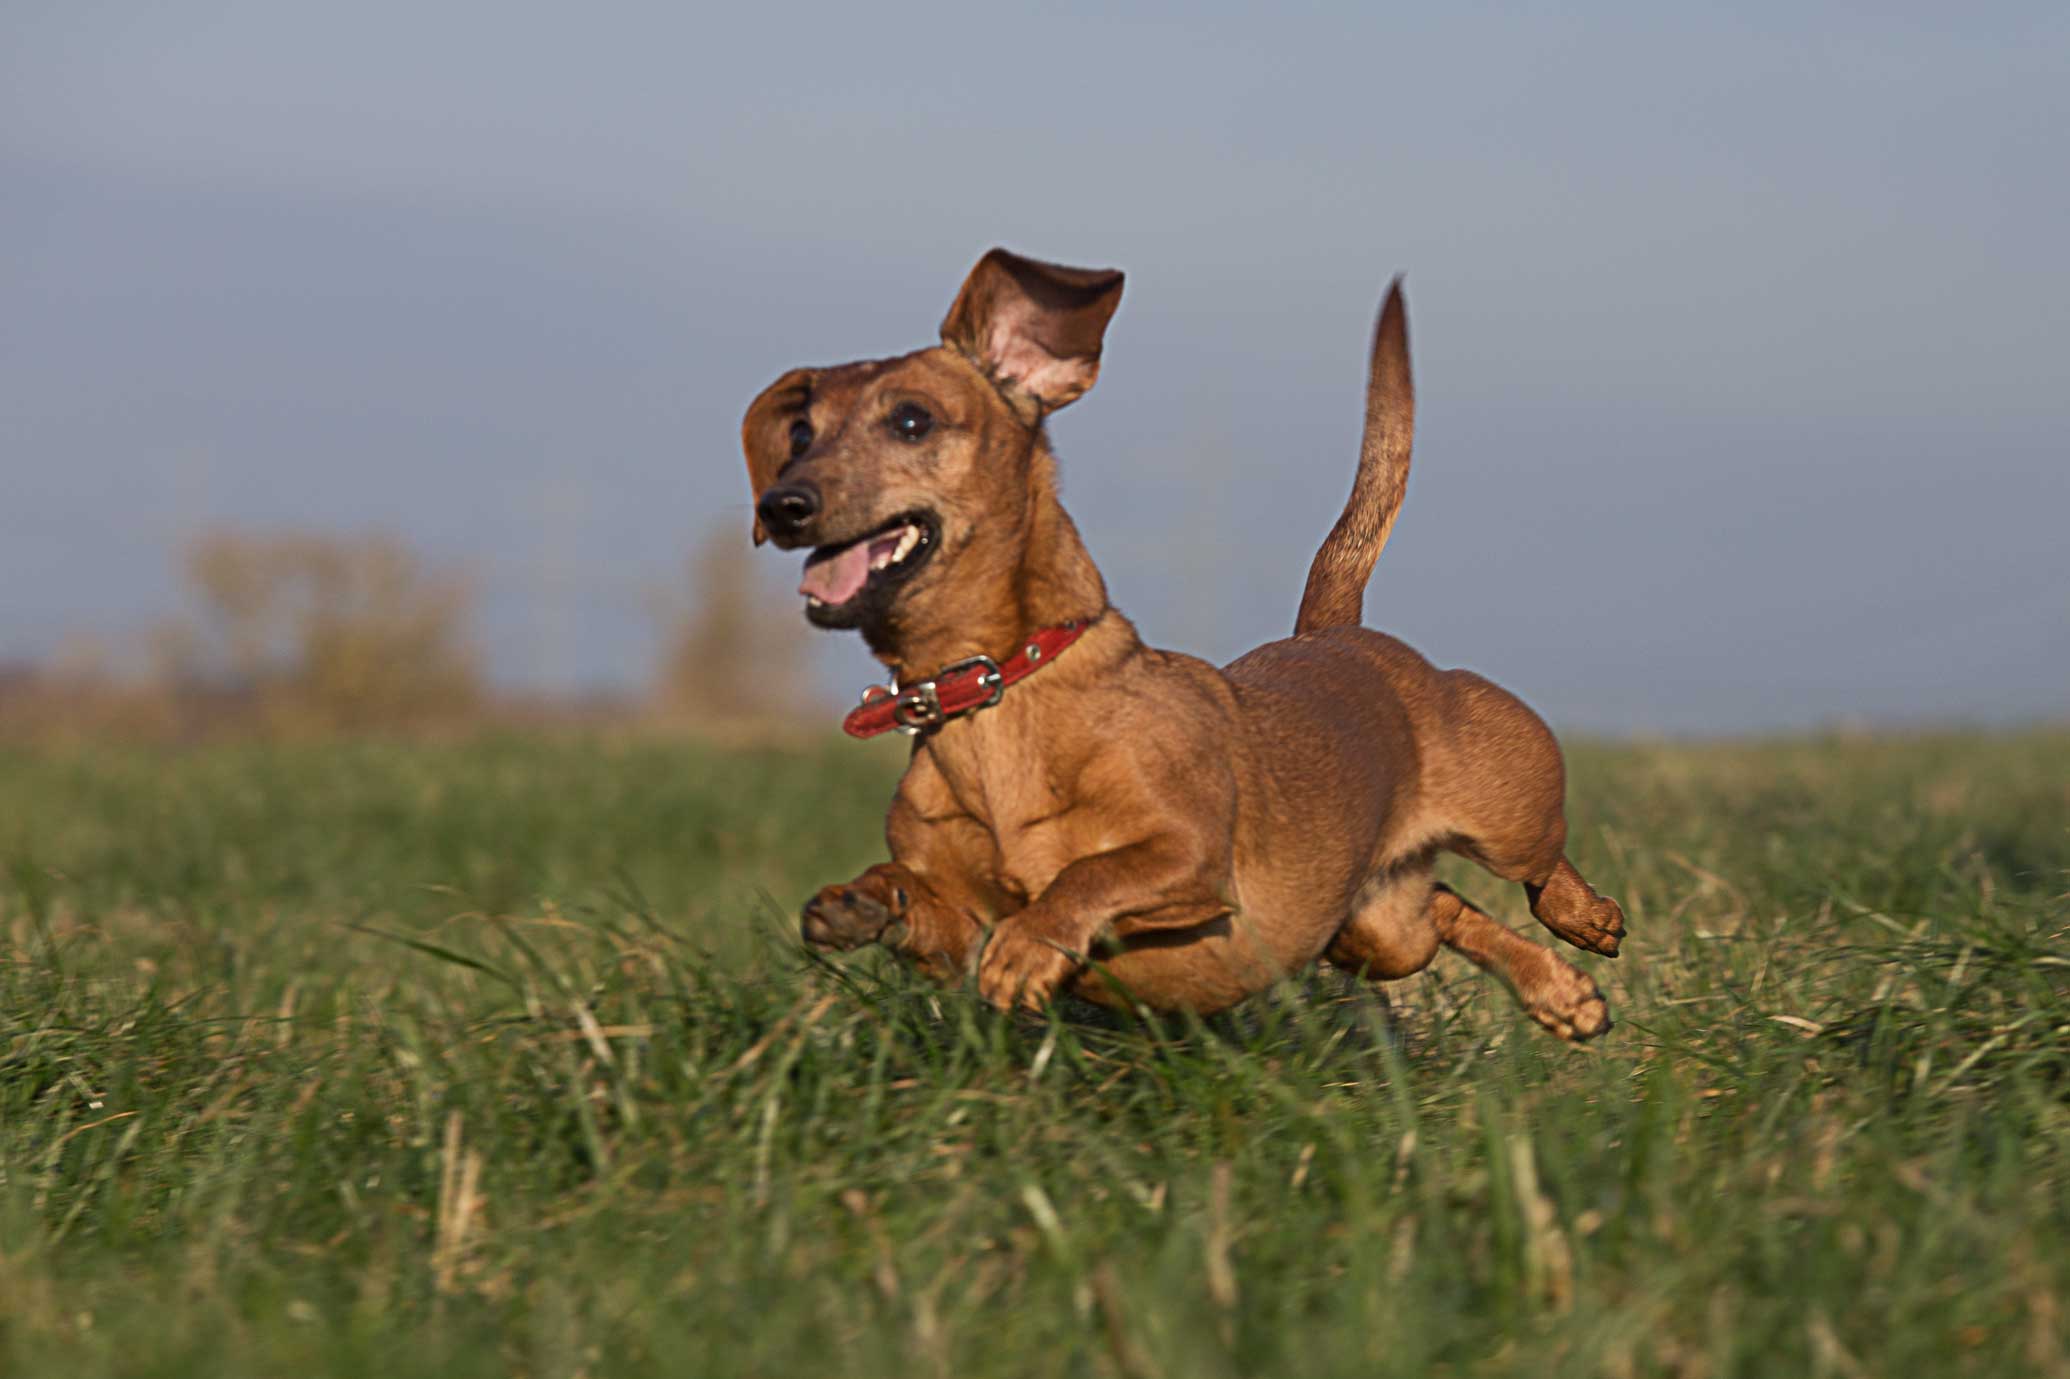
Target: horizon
[(1739, 338)]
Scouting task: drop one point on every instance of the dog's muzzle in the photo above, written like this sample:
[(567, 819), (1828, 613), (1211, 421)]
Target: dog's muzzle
[(786, 509)]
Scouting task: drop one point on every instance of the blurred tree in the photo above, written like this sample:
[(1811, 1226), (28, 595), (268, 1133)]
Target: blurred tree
[(734, 655), (326, 631)]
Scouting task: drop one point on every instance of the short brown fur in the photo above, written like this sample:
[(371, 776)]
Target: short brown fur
[(1136, 825)]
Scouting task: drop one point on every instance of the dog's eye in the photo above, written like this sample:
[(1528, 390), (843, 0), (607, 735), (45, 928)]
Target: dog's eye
[(910, 421), (801, 438)]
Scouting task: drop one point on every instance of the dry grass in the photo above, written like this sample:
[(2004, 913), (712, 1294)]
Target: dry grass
[(498, 1058)]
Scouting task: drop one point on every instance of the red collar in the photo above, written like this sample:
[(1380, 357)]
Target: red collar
[(958, 688)]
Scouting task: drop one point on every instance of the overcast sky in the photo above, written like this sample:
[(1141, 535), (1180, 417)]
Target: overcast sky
[(1741, 331)]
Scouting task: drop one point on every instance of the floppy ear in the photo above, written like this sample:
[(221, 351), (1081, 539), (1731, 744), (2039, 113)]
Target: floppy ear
[(765, 434), (1034, 326)]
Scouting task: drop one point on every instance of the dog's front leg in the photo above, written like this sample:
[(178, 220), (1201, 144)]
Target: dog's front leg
[(1167, 882), (890, 904), (854, 914), (918, 904)]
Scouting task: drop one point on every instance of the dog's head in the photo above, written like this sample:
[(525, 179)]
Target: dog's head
[(908, 477)]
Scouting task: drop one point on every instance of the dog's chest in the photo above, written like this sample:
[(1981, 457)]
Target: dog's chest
[(1025, 810)]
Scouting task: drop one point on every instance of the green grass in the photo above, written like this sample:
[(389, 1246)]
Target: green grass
[(499, 1058)]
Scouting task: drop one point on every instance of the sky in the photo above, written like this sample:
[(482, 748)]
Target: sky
[(1742, 333)]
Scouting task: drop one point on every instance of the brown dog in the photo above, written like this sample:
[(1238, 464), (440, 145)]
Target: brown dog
[(1098, 816)]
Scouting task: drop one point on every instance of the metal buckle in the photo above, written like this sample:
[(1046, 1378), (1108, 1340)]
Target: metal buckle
[(917, 707), (991, 679)]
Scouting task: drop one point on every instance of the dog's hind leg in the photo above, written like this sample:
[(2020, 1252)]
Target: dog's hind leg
[(1400, 920), (1504, 807), (1552, 991), (1391, 933), (1570, 907), (1562, 901)]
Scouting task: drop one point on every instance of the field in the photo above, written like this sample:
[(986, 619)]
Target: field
[(499, 1057)]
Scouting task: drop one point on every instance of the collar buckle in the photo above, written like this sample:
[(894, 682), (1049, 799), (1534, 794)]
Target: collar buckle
[(988, 678), (916, 708), (958, 688)]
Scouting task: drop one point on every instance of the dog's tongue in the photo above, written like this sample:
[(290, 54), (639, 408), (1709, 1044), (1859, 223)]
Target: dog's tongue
[(838, 578)]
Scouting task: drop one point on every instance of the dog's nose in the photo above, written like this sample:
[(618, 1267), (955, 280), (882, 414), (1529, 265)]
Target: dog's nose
[(785, 509)]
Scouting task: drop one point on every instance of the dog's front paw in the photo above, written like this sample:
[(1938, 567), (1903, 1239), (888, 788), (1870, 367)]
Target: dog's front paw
[(1023, 968), (850, 916)]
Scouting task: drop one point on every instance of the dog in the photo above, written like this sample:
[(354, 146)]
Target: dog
[(1083, 813)]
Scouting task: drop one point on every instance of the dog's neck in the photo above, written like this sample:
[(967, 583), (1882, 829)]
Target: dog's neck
[(1036, 574)]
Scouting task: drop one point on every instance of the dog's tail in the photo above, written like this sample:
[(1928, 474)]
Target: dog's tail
[(1336, 591)]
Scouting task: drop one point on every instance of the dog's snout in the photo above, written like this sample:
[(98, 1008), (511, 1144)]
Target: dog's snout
[(785, 509)]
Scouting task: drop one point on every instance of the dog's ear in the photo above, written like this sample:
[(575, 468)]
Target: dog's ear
[(765, 434), (1033, 326)]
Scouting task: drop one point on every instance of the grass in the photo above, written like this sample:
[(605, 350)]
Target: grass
[(498, 1058)]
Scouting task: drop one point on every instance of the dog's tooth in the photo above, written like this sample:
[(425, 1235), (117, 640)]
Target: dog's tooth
[(906, 541)]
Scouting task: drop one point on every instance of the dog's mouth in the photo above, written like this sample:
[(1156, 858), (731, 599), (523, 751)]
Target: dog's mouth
[(845, 579)]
